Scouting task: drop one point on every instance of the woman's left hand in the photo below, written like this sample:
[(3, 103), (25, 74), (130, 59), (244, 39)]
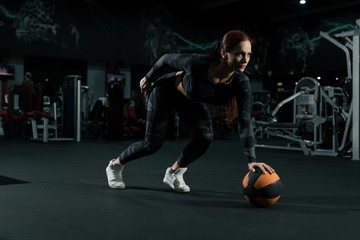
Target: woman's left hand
[(263, 167)]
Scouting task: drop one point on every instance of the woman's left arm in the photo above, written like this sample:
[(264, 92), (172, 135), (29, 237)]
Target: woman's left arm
[(246, 130)]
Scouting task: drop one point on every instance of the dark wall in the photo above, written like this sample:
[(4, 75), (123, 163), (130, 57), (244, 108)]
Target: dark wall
[(139, 32)]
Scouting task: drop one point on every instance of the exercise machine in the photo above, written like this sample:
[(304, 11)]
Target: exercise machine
[(61, 121), (349, 42), (323, 123), (317, 113)]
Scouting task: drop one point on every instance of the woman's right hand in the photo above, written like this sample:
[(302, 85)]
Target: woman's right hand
[(145, 85)]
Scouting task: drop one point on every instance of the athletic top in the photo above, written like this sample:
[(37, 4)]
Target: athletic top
[(198, 88)]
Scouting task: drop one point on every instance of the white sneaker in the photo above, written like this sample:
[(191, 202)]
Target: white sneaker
[(176, 180), (114, 175)]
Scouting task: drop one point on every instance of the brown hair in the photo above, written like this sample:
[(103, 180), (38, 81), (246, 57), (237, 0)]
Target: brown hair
[(228, 42), (232, 111)]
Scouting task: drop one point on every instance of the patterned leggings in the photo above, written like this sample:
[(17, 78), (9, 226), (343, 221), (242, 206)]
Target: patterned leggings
[(163, 100)]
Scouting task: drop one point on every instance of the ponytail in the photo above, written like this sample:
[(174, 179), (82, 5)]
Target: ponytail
[(231, 110)]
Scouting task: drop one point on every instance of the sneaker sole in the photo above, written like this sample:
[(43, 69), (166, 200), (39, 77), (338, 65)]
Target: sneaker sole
[(181, 190), (117, 187)]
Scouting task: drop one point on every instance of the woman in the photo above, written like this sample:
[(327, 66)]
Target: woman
[(187, 83)]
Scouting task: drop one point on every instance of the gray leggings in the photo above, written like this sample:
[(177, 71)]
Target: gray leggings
[(162, 101)]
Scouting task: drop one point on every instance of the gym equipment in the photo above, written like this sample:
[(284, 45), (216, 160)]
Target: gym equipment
[(314, 108), (64, 117), (19, 104), (320, 110), (115, 116), (349, 41)]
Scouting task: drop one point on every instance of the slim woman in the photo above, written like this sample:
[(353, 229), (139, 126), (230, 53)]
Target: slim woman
[(188, 83)]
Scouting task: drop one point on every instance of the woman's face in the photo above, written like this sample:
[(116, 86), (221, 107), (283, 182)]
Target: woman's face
[(239, 56)]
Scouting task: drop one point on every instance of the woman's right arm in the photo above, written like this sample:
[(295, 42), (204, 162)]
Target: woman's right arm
[(146, 85), (171, 62)]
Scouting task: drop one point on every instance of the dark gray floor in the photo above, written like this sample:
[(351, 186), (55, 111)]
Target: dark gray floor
[(67, 195)]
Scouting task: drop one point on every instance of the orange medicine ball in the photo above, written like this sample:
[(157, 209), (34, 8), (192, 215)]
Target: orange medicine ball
[(262, 189)]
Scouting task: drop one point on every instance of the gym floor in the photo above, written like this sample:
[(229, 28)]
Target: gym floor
[(58, 190)]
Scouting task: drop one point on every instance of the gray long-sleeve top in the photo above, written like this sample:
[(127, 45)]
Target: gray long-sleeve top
[(198, 88)]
